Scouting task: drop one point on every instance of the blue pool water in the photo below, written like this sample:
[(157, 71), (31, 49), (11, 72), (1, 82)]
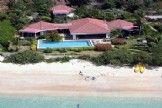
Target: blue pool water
[(42, 44), (71, 102)]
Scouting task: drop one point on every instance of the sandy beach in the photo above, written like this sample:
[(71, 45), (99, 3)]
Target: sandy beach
[(78, 78)]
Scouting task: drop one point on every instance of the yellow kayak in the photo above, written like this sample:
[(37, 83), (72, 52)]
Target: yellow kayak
[(137, 68), (142, 69)]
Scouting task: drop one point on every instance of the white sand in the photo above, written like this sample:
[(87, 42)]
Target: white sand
[(75, 66), (64, 79)]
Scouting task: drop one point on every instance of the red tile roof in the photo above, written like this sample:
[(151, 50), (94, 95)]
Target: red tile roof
[(89, 26), (38, 26), (81, 26), (42, 25), (61, 9), (120, 24), (30, 30)]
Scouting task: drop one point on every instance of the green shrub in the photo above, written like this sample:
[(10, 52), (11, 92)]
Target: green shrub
[(48, 50), (24, 42), (46, 18), (114, 57), (51, 60), (1, 47), (12, 48), (32, 40), (25, 57), (142, 57), (156, 60), (62, 50), (42, 37), (58, 20), (115, 62), (54, 37), (62, 60), (84, 57), (33, 47)]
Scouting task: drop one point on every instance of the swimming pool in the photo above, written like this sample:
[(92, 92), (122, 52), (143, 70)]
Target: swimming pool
[(43, 44)]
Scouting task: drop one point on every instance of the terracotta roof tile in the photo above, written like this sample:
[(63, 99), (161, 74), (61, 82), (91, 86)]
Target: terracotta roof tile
[(62, 9), (119, 24), (89, 25), (42, 25)]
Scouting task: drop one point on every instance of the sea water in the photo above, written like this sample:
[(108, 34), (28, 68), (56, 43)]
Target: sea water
[(78, 102)]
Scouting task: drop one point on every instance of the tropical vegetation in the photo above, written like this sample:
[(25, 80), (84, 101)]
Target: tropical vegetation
[(143, 46)]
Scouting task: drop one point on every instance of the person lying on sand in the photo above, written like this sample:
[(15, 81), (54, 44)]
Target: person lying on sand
[(80, 73)]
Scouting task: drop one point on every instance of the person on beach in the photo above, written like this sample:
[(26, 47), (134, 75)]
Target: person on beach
[(78, 106), (80, 73), (93, 78)]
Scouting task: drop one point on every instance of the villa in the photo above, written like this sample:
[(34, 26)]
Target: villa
[(86, 28), (62, 11)]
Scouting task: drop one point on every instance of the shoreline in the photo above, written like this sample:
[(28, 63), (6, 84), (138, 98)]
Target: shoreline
[(129, 95)]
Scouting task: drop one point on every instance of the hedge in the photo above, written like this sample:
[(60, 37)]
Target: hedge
[(25, 57)]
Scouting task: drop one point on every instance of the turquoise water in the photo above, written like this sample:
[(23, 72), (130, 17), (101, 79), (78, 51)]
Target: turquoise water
[(42, 44), (70, 102)]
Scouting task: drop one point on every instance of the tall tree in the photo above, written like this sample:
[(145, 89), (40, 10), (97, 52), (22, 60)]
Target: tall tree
[(43, 6), (109, 4), (79, 2), (7, 32), (139, 14)]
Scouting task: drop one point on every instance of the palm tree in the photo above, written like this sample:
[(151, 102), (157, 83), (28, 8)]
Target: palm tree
[(140, 20)]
